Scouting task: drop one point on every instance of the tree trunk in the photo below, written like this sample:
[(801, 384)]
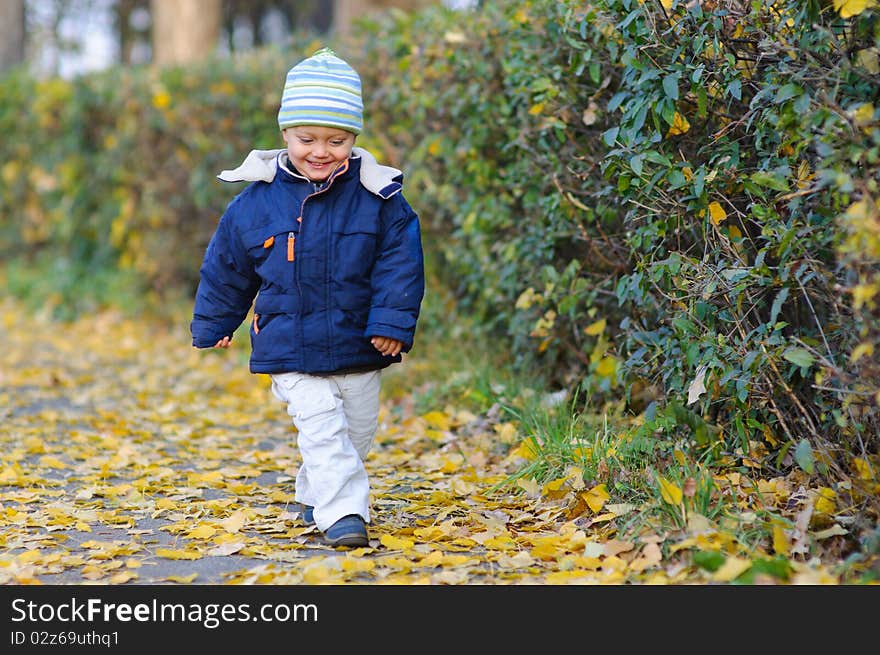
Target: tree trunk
[(11, 33), (184, 30)]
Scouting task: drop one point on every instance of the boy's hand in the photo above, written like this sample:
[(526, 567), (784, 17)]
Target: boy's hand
[(223, 343), (387, 345)]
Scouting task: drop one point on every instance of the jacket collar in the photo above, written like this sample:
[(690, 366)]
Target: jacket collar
[(262, 165)]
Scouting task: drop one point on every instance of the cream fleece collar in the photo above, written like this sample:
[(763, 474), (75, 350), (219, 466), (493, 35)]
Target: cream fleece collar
[(262, 165)]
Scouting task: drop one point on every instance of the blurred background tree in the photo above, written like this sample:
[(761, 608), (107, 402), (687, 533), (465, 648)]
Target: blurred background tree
[(68, 37), (11, 33)]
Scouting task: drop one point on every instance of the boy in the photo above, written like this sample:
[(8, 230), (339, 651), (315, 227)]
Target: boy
[(326, 242)]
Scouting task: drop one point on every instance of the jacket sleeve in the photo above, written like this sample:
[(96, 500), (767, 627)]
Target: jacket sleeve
[(227, 285), (398, 279)]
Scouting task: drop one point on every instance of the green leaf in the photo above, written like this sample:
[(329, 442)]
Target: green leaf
[(803, 455), (610, 136), (709, 560), (734, 89), (635, 163), (777, 305), (769, 180), (670, 86), (787, 92), (799, 357)]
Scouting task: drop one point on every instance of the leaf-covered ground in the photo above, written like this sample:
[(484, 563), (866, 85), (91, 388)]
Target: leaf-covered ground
[(128, 457)]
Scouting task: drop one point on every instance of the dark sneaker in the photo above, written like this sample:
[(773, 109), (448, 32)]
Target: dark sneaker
[(348, 531), (306, 513)]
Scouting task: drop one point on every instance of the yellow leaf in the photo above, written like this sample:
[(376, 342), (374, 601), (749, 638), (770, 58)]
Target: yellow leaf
[(9, 474), (203, 531), (182, 579), (596, 497), (650, 556), (451, 465), (434, 558), (849, 8), (865, 348), (357, 565), (864, 114), (824, 500), (863, 468), (680, 125), (34, 445), (506, 431), (122, 577), (438, 420), (161, 100), (835, 530), (553, 487), (536, 109), (209, 477), (234, 522), (602, 518), (869, 60), (780, 540), (29, 556), (174, 553), (526, 450), (607, 367), (595, 329), (669, 491), (395, 543), (52, 462), (732, 568), (501, 542), (92, 572), (863, 294), (716, 213), (530, 486), (527, 298)]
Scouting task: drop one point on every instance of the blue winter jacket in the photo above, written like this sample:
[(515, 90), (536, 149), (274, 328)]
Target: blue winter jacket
[(330, 266)]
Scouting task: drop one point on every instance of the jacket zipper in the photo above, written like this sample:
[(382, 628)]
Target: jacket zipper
[(339, 170)]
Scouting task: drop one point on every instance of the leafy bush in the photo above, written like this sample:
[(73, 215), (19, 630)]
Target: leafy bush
[(673, 200)]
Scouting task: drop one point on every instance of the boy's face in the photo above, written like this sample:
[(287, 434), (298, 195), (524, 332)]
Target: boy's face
[(315, 150)]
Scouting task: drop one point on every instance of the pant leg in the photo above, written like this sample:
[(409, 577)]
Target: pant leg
[(360, 395), (332, 477)]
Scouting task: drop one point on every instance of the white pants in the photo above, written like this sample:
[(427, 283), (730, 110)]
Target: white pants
[(336, 418)]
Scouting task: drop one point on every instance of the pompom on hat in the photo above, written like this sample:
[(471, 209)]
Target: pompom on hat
[(322, 90)]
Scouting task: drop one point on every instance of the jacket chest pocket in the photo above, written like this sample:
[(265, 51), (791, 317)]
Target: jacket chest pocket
[(356, 244), (272, 249)]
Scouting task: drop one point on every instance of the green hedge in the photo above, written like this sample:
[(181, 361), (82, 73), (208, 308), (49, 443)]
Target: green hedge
[(675, 203), (672, 201)]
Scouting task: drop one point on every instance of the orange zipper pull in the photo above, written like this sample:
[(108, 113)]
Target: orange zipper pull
[(268, 242), (290, 242)]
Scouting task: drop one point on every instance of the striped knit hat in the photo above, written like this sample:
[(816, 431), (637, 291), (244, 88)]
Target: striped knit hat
[(322, 90)]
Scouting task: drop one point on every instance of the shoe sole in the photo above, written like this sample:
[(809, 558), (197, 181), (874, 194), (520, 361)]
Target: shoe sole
[(352, 539)]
